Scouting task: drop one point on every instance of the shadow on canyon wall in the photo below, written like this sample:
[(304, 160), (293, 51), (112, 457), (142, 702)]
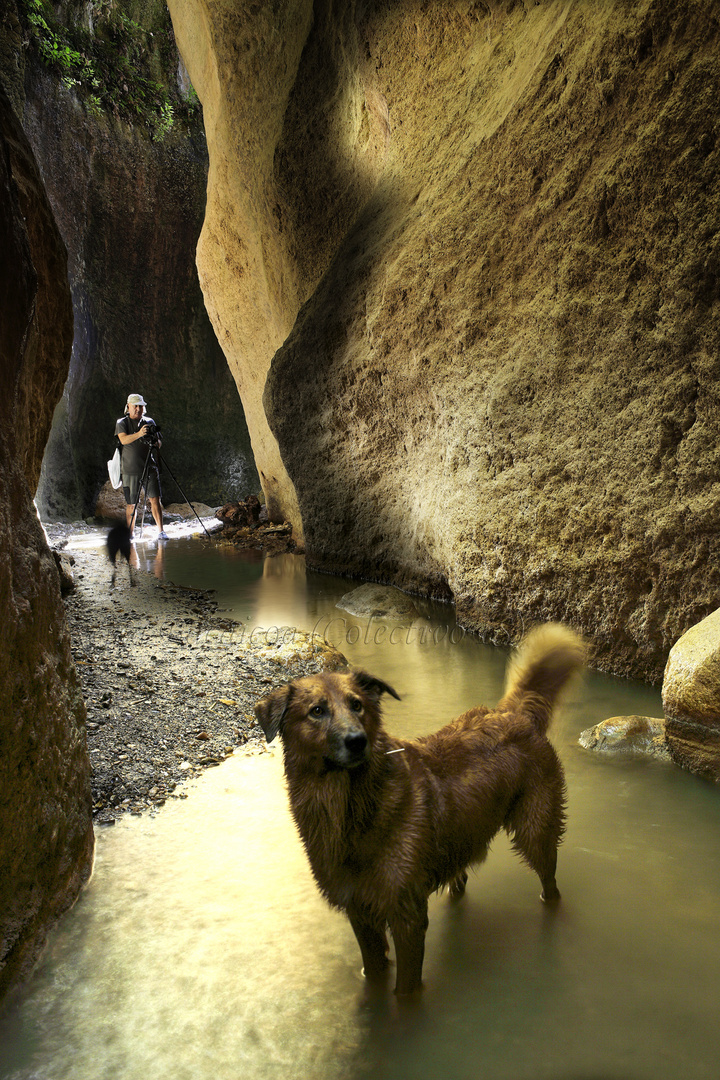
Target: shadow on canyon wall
[(46, 836)]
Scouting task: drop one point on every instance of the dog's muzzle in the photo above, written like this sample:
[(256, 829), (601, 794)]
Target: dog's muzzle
[(356, 744), (349, 749)]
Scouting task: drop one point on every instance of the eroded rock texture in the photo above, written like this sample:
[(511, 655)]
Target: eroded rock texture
[(46, 839), (691, 698), (491, 234)]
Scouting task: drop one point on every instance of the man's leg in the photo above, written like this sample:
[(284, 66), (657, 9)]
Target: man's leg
[(157, 511), (130, 486)]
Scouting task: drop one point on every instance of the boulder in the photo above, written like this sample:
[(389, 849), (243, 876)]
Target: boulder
[(289, 647), (627, 735), (182, 510), (110, 505), (691, 698), (379, 602)]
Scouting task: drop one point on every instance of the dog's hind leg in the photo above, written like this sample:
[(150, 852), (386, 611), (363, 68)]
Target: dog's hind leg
[(373, 943), (535, 826)]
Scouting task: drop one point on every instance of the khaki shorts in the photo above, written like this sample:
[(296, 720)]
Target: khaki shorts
[(130, 486)]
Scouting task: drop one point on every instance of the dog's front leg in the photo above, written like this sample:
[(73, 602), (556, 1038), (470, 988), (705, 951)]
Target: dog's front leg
[(373, 943), (409, 937)]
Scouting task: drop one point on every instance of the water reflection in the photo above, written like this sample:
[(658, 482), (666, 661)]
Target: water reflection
[(202, 949)]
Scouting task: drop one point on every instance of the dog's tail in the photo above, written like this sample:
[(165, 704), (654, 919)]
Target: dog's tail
[(546, 660)]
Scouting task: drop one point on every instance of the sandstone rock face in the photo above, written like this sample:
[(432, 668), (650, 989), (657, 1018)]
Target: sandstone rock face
[(130, 211), (296, 140), (46, 838), (691, 698), (627, 735), (488, 234)]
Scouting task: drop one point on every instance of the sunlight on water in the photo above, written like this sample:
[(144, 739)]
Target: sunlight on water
[(201, 948)]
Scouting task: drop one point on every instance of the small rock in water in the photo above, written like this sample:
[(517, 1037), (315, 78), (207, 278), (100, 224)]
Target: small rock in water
[(378, 602), (627, 734)]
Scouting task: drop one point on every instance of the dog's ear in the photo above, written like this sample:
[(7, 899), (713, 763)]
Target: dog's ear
[(374, 688), (271, 711)]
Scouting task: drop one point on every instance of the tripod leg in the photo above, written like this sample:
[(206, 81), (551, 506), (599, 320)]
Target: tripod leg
[(142, 516), (142, 486), (183, 493)]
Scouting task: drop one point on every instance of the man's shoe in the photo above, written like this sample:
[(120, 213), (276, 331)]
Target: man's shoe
[(162, 535)]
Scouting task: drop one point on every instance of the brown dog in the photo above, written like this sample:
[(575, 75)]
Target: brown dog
[(385, 822)]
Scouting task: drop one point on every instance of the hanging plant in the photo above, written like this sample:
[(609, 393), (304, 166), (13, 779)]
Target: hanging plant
[(111, 66)]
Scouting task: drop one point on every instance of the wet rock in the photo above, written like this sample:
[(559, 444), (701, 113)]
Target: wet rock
[(627, 735), (246, 524), (379, 602), (691, 698), (272, 539), (297, 649)]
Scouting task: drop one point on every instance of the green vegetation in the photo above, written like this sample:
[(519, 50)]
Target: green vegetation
[(114, 64)]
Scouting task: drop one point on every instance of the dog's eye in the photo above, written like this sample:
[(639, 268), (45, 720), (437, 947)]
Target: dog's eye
[(356, 705), (317, 710)]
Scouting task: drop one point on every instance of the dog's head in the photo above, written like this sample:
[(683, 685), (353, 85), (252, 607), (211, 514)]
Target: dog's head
[(329, 719)]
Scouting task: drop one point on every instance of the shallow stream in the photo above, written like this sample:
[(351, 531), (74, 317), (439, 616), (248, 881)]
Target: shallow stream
[(202, 950)]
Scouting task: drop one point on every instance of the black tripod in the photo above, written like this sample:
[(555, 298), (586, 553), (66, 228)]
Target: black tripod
[(142, 484), (183, 493)]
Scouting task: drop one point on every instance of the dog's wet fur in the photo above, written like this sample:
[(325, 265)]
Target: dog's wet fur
[(119, 542), (386, 822)]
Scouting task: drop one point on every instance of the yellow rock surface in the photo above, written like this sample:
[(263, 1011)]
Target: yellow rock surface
[(464, 262)]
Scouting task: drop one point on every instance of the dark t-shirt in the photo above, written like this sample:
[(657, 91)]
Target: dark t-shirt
[(133, 454)]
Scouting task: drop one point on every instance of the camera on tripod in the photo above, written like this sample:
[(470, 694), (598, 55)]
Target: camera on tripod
[(152, 435)]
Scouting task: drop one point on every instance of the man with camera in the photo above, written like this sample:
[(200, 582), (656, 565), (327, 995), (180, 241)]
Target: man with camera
[(140, 436)]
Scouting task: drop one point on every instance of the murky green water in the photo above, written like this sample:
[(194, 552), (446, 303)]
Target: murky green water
[(202, 950)]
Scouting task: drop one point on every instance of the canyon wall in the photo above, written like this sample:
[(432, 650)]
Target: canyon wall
[(127, 182), (130, 212), (464, 260), (296, 142), (46, 836)]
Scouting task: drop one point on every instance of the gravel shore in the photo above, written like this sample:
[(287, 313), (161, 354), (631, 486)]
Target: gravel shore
[(169, 685)]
